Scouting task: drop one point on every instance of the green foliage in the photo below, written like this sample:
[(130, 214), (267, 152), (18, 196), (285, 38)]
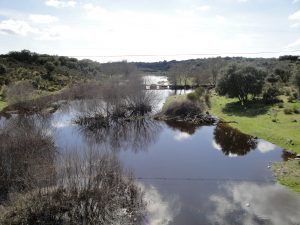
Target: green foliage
[(288, 111), (256, 120), (283, 74), (192, 97), (2, 69), (289, 57), (288, 174), (270, 94), (45, 72), (241, 82), (296, 109), (281, 105), (297, 80)]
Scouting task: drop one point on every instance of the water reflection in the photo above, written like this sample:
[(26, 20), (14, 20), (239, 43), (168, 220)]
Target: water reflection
[(27, 154), (287, 155), (135, 135), (255, 204), (182, 126), (160, 211), (265, 146), (232, 142)]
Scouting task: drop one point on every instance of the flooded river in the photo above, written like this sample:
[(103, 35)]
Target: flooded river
[(192, 175)]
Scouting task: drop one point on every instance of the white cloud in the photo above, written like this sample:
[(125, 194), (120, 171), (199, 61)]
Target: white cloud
[(203, 8), (24, 28), (220, 19), (295, 16), (160, 211), (43, 19), (18, 27), (295, 1), (264, 146), (182, 136), (60, 3), (294, 44), (53, 33), (216, 146), (255, 201), (295, 25)]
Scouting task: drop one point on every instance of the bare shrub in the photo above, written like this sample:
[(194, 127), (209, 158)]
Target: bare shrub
[(139, 102), (91, 189), (135, 135), (120, 100), (27, 154), (183, 109), (19, 92)]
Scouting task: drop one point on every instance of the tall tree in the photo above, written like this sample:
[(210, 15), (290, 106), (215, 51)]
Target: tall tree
[(241, 82)]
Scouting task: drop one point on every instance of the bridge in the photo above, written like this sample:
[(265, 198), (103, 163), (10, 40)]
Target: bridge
[(176, 87)]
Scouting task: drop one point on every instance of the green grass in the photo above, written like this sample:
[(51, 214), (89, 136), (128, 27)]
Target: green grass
[(173, 98), (257, 119), (2, 105), (287, 174)]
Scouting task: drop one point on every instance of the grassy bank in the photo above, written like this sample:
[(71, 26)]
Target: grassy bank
[(258, 120), (173, 98), (287, 174), (2, 105), (270, 123)]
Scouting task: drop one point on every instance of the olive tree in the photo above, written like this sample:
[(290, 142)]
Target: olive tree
[(240, 82)]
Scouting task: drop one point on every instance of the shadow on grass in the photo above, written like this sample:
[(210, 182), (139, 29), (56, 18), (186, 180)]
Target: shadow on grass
[(251, 109)]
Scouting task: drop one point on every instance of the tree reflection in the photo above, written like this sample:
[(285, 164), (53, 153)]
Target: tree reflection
[(287, 155), (135, 135), (232, 141), (27, 154), (182, 126)]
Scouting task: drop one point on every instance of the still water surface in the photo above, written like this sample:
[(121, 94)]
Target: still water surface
[(194, 175), (191, 175)]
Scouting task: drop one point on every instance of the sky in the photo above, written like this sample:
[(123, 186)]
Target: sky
[(151, 30)]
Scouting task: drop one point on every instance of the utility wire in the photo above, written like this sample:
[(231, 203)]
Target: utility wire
[(200, 179), (186, 54)]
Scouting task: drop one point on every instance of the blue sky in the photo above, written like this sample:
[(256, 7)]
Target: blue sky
[(167, 29)]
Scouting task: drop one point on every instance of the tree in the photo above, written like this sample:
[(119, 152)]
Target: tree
[(297, 81), (19, 92), (241, 82), (232, 141), (283, 74), (50, 68), (3, 78), (179, 73), (2, 70)]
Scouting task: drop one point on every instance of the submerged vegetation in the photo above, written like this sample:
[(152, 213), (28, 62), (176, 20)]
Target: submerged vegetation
[(40, 186), (190, 108)]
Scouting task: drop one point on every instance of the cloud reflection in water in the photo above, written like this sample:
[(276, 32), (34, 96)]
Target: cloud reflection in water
[(255, 204), (160, 210)]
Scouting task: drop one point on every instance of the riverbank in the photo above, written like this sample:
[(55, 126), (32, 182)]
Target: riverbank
[(271, 124), (178, 108), (266, 122), (2, 105), (258, 120)]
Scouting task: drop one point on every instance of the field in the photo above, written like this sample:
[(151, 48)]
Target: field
[(266, 122)]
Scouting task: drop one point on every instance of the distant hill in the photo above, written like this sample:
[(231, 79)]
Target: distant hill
[(46, 72)]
